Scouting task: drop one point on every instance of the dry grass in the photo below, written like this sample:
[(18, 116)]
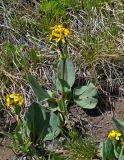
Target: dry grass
[(96, 46)]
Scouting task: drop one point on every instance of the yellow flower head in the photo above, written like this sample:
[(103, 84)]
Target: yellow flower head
[(59, 33), (114, 135), (14, 99)]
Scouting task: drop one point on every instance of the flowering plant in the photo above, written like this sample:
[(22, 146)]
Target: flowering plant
[(114, 135), (113, 147), (84, 96), (15, 100), (33, 128), (47, 121), (59, 33)]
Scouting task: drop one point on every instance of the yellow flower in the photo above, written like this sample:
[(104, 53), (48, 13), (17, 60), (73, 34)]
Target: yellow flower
[(59, 33), (14, 99), (114, 135)]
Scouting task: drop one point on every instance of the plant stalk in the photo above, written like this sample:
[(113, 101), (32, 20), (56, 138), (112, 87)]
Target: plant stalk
[(63, 91), (63, 76), (65, 112)]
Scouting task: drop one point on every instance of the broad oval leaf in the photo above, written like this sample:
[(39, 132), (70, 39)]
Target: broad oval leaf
[(119, 124), (39, 91), (79, 90), (86, 96), (42, 123), (86, 90), (69, 74), (54, 127), (88, 102), (38, 121), (121, 158), (60, 84), (117, 149), (107, 150)]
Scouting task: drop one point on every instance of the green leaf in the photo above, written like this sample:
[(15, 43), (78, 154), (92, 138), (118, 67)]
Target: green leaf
[(121, 158), (117, 149), (69, 74), (86, 96), (39, 91), (51, 104), (119, 124), (41, 123), (88, 102), (60, 84), (60, 105), (80, 90), (19, 135), (86, 90), (64, 83), (57, 157), (107, 150), (37, 121), (33, 151), (54, 127), (33, 55), (26, 127), (17, 109), (8, 135)]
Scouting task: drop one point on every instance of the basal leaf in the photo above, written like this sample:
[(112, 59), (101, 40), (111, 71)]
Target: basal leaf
[(39, 91)]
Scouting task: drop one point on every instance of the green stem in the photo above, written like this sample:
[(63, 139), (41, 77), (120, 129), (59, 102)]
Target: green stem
[(63, 69), (63, 75), (65, 112), (63, 91)]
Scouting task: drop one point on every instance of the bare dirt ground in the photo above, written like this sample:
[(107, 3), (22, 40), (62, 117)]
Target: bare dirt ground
[(97, 122), (6, 154)]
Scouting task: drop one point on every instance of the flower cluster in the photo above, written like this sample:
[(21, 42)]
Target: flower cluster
[(59, 33), (114, 135), (14, 99)]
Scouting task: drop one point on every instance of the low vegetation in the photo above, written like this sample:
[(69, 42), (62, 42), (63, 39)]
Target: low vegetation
[(57, 54)]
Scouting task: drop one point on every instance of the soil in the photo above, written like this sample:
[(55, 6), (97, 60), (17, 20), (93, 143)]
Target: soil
[(6, 153), (95, 122), (6, 124)]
